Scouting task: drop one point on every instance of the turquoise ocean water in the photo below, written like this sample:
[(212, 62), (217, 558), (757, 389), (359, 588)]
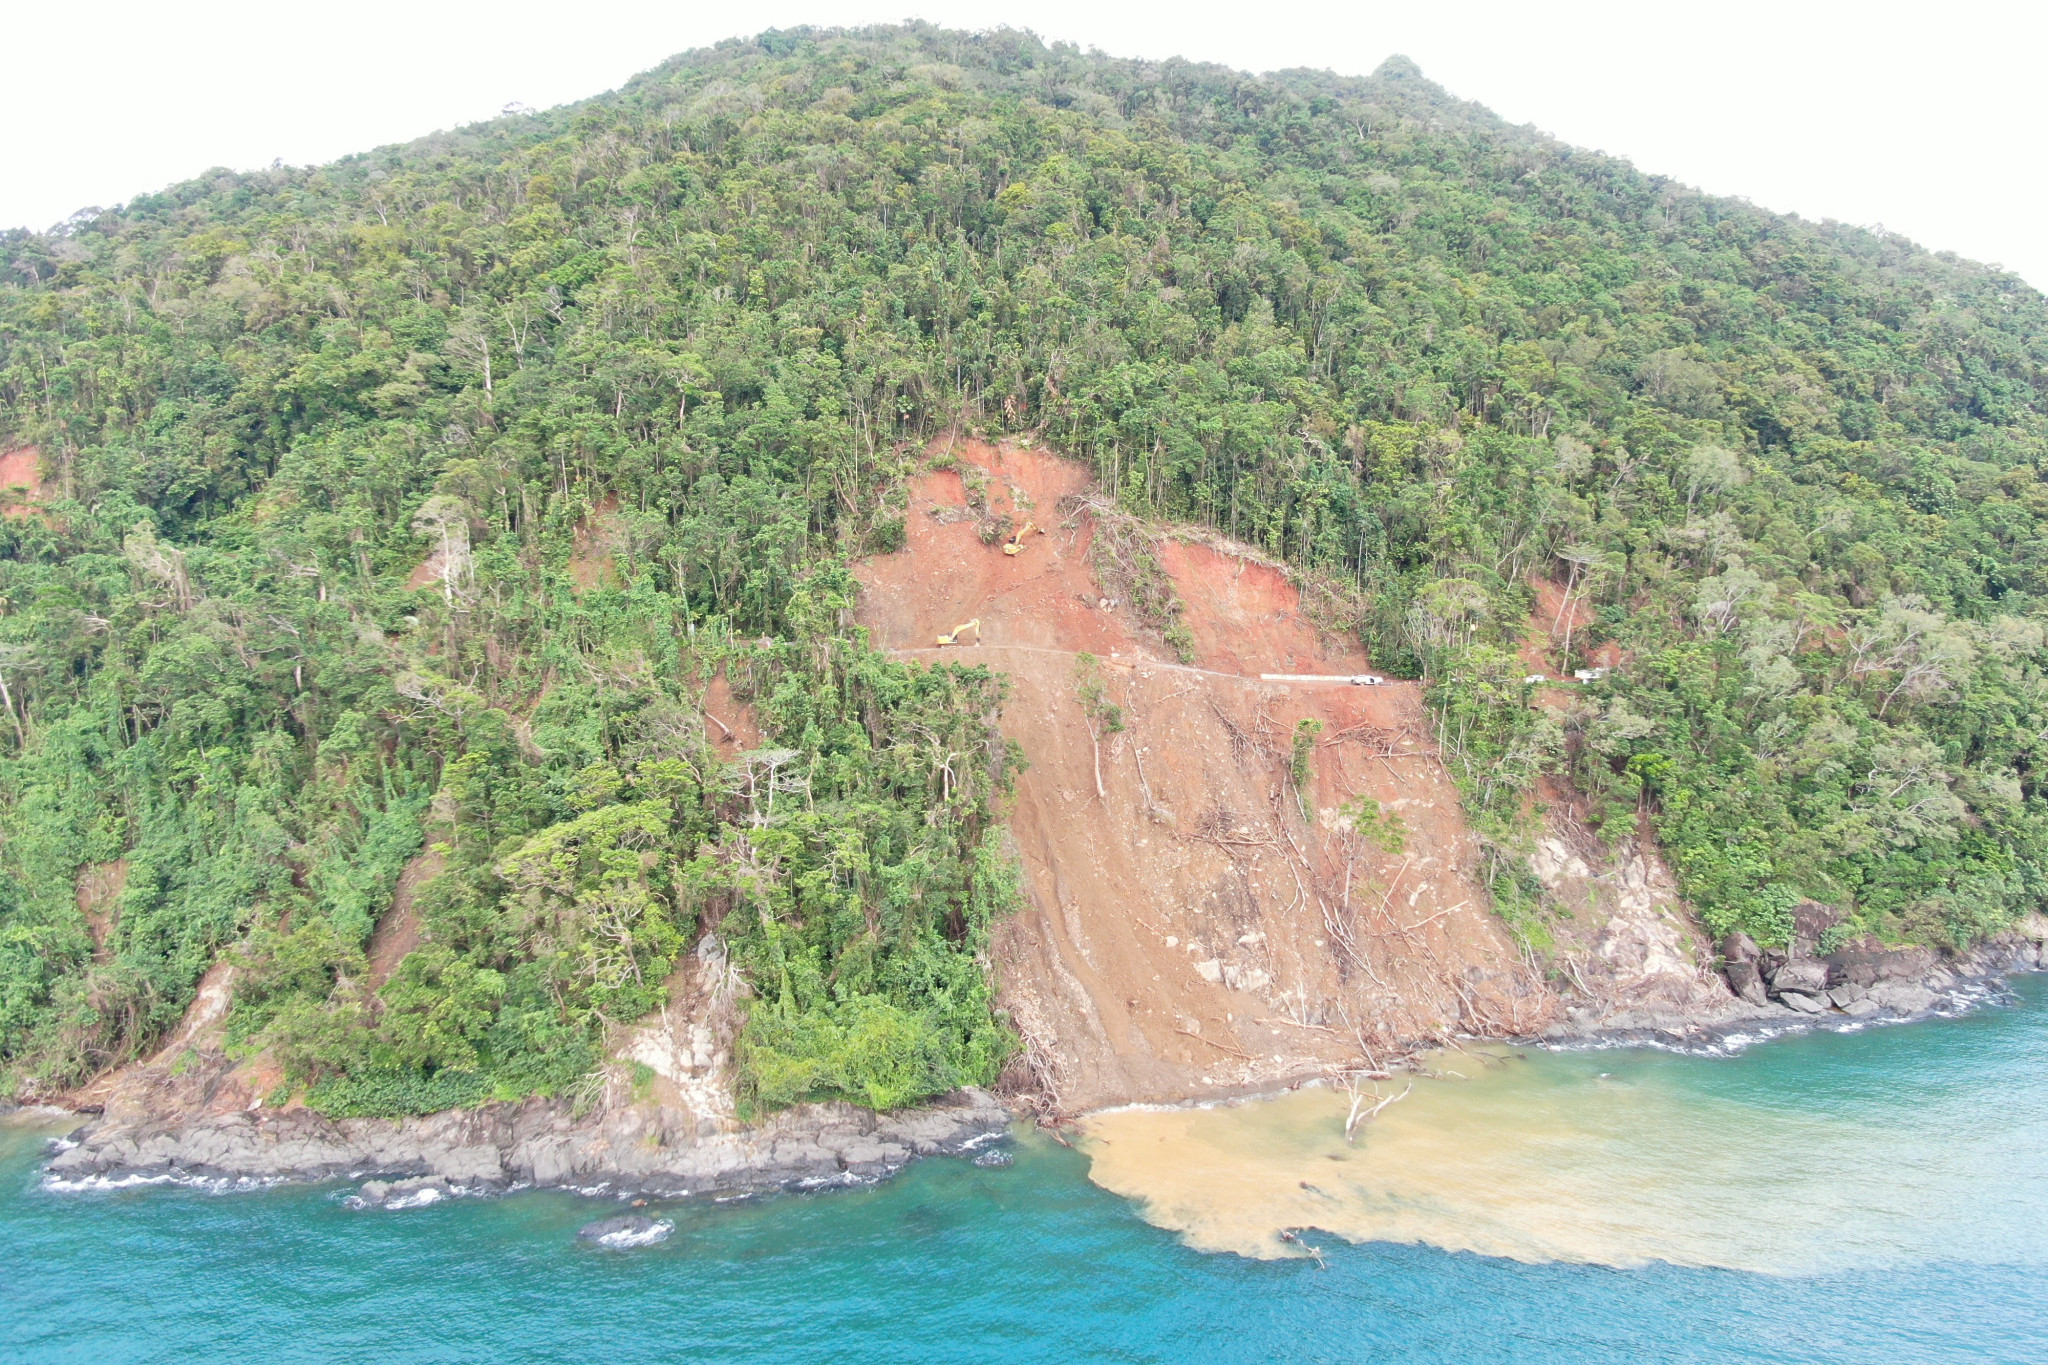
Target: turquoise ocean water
[(1032, 1262)]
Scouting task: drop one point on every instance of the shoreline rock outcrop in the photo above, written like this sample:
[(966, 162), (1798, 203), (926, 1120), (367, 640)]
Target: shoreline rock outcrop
[(1776, 989), (535, 1143)]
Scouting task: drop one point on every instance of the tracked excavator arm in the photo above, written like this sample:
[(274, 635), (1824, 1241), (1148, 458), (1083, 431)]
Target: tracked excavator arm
[(1017, 541), (960, 630)]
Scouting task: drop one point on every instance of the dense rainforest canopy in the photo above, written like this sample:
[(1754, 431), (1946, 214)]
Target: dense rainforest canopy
[(409, 503)]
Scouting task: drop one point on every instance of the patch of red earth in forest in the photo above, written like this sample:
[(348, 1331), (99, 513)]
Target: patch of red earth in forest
[(428, 574), (1190, 929), (188, 1074), (597, 540), (21, 481), (1246, 616), (398, 929), (1544, 636), (729, 724)]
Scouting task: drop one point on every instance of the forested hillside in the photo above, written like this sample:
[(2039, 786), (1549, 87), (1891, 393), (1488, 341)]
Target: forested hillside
[(413, 500)]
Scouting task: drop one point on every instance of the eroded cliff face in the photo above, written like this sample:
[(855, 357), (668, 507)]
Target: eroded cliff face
[(1198, 925), (1628, 952)]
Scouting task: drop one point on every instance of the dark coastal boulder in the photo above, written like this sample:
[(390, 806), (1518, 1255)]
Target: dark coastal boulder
[(1805, 976), (1739, 947), (403, 1194), (1811, 919), (1745, 980), (1902, 997), (1868, 962)]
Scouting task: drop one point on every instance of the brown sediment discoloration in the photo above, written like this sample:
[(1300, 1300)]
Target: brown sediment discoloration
[(1604, 1158), (1195, 925)]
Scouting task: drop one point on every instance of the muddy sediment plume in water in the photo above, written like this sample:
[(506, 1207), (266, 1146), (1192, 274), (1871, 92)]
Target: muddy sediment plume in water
[(955, 1262), (1612, 1158)]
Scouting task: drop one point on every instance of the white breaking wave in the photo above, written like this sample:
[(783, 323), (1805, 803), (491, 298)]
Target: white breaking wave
[(642, 1237), (92, 1184), (416, 1199)]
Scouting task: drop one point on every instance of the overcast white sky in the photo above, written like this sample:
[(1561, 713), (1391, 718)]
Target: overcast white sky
[(1924, 118)]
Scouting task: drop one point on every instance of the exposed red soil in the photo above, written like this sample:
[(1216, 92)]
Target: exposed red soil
[(428, 573), (1543, 639), (1194, 930), (188, 1073), (398, 928), (21, 481), (729, 724), (1246, 616)]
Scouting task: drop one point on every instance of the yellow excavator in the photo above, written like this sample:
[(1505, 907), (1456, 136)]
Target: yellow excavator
[(1017, 541), (960, 630)]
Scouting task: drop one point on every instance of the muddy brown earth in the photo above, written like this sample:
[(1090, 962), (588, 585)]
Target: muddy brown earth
[(21, 481), (1196, 925)]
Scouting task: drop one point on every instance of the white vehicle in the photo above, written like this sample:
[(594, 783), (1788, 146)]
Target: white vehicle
[(1589, 674), (1535, 678), (1368, 679)]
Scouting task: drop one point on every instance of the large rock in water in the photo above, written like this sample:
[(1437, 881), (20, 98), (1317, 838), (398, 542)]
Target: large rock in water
[(1904, 997), (404, 1194), (626, 1230)]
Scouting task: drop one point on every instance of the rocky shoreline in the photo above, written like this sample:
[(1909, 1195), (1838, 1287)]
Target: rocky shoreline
[(534, 1144), (656, 1151), (1774, 991)]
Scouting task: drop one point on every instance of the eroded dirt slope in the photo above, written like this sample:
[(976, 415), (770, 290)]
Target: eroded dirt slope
[(1197, 926)]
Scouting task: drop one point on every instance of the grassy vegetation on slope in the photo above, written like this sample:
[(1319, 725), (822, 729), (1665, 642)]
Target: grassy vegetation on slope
[(1796, 469)]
